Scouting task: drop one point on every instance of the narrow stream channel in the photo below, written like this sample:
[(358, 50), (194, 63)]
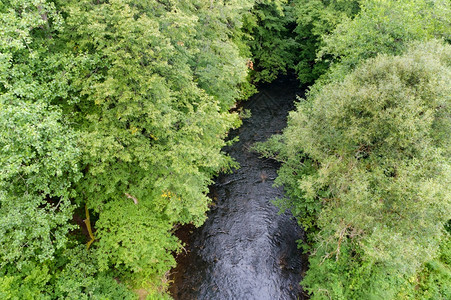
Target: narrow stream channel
[(246, 249)]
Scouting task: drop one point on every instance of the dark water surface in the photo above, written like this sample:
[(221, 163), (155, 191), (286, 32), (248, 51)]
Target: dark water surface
[(246, 250)]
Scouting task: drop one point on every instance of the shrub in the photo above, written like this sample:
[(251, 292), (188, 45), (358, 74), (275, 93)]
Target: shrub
[(371, 159)]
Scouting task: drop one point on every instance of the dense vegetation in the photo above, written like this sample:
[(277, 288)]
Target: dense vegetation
[(366, 156), (373, 173), (113, 114)]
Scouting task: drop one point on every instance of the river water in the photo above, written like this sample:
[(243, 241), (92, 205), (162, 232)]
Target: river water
[(246, 249)]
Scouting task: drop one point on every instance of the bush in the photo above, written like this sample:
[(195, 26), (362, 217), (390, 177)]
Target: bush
[(39, 165), (315, 20), (383, 26), (268, 29), (371, 159), (121, 106)]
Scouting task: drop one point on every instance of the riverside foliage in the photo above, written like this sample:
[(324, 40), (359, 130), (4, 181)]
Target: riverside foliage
[(366, 156), (119, 107), (376, 185), (113, 114)]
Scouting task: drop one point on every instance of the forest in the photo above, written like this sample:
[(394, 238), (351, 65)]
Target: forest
[(114, 115)]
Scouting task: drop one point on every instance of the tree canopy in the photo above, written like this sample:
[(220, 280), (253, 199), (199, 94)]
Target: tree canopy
[(114, 113), (371, 159)]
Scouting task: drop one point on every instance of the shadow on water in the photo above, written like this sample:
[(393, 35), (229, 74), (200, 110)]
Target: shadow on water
[(246, 250)]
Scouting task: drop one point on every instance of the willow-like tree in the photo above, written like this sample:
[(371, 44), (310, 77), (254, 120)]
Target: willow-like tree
[(367, 168)]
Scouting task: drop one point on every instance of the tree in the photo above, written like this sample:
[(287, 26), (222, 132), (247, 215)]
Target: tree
[(151, 136), (38, 159), (121, 107), (383, 26), (371, 159), (268, 29), (316, 20), (38, 151)]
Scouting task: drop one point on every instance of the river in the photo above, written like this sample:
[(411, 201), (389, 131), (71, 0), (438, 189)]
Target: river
[(246, 249)]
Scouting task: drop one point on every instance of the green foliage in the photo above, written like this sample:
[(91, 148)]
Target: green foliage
[(151, 136), (123, 106), (38, 163), (219, 63), (136, 96), (20, 20), (433, 281), (366, 157), (377, 173), (74, 275), (268, 28), (28, 284), (135, 240), (81, 278), (316, 19), (295, 166), (384, 26)]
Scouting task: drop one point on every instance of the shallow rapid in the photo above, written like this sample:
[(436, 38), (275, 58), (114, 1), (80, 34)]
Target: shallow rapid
[(246, 249)]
